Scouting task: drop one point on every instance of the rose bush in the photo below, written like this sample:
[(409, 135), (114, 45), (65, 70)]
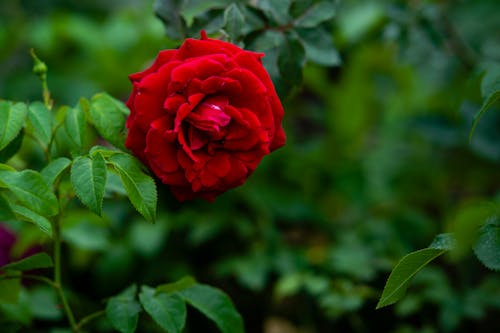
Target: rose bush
[(203, 116)]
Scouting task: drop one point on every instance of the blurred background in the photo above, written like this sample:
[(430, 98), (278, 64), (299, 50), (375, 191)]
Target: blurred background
[(376, 164)]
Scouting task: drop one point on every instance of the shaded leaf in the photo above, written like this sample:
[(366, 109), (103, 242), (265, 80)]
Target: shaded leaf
[(25, 214), (140, 187), (12, 117), (31, 189), (319, 47), (87, 234), (183, 283), (487, 247), (76, 127), (6, 212), (234, 21), (167, 310), (123, 310), (54, 169), (44, 303), (216, 305), (408, 266), (40, 122), (108, 116), (192, 8), (88, 177), (168, 12), (36, 261), (12, 148), (277, 11), (291, 60), (316, 14), (490, 90)]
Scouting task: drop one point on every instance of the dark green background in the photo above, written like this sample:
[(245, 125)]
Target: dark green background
[(376, 164)]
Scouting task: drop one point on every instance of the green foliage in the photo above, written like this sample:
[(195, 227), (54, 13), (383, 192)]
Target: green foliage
[(108, 116), (31, 190), (487, 247), (54, 170), (397, 283), (140, 187), (166, 305), (214, 304), (12, 117), (123, 310), (77, 128), (265, 26), (490, 90), (39, 260), (88, 176), (167, 310)]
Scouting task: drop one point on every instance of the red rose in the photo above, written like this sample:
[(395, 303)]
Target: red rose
[(203, 116)]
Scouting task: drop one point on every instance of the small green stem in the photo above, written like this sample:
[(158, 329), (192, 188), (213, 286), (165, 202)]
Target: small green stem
[(57, 275), (89, 318), (40, 69)]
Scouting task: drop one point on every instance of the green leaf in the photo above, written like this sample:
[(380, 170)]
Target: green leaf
[(54, 170), (319, 47), (234, 21), (167, 310), (443, 242), (216, 305), (76, 127), (140, 187), (490, 90), (291, 60), (487, 247), (398, 280), (36, 261), (31, 189), (193, 8), (12, 148), (108, 116), (40, 123), (276, 10), (316, 14), (123, 310), (9, 290), (168, 12), (44, 303), (87, 233), (12, 117), (183, 283), (88, 177), (18, 311), (6, 212), (26, 214)]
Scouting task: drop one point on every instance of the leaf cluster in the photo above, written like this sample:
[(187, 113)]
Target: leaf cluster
[(166, 304), (288, 32)]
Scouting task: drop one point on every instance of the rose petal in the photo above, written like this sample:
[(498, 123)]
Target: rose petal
[(219, 165), (160, 153), (192, 48), (162, 58), (221, 85), (197, 138), (198, 68)]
